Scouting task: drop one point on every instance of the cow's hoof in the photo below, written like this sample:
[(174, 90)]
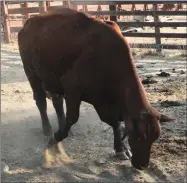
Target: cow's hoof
[(47, 131), (59, 136), (121, 156), (51, 141), (128, 153)]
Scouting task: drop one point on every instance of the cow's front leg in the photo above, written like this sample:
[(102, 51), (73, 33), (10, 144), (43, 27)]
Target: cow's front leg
[(54, 153), (121, 150), (72, 115)]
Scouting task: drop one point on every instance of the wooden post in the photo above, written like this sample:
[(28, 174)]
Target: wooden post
[(157, 29), (67, 3), (112, 8), (84, 8), (48, 3), (42, 7), (6, 22), (119, 8), (133, 8), (99, 9), (25, 5), (74, 6), (145, 7)]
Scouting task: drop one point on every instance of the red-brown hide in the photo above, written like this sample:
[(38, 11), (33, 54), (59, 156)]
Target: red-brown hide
[(74, 54)]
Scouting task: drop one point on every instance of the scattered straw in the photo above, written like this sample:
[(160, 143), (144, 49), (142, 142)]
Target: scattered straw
[(55, 156), (19, 171)]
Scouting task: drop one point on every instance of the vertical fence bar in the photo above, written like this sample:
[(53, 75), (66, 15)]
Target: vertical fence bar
[(5, 22), (25, 5), (42, 7), (113, 8), (84, 8), (74, 6), (67, 3), (48, 3), (157, 28)]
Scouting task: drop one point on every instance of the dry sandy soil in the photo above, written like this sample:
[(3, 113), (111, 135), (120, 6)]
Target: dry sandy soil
[(91, 143)]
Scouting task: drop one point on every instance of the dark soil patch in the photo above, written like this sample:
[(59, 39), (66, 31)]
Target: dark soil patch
[(182, 72), (164, 90), (164, 74), (149, 81), (139, 66), (168, 103), (175, 140)]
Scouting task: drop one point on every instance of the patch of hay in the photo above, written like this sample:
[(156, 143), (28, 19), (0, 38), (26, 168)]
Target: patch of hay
[(19, 171), (55, 156)]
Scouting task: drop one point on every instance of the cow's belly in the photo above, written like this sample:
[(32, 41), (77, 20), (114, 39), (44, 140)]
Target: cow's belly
[(107, 109), (53, 87)]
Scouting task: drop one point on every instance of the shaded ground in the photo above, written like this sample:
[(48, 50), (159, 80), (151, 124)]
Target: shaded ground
[(91, 144)]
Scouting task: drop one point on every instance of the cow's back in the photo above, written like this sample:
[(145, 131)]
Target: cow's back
[(97, 54), (55, 40)]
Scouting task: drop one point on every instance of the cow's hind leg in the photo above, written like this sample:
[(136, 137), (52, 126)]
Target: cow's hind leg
[(122, 152), (39, 96), (54, 154), (42, 106), (58, 105)]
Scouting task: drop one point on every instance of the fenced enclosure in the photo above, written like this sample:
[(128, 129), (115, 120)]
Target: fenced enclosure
[(90, 144), (20, 11)]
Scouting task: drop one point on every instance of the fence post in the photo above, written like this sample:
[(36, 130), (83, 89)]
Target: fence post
[(157, 28), (67, 3), (113, 8), (84, 8), (6, 22), (25, 5), (48, 4), (74, 6), (42, 7)]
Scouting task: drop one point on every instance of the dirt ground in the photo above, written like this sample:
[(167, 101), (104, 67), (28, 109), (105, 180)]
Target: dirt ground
[(91, 144)]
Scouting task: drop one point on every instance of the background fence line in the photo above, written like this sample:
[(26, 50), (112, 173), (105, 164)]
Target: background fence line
[(115, 11)]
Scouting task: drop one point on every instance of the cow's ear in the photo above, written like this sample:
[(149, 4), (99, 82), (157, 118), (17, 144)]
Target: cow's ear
[(165, 118)]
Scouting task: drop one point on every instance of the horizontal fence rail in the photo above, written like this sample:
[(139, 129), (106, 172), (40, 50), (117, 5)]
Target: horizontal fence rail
[(135, 34), (24, 12), (109, 2), (152, 24), (161, 46), (123, 2), (161, 35), (143, 13), (137, 24)]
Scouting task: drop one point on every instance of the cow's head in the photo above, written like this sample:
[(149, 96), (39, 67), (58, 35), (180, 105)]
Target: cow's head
[(142, 132)]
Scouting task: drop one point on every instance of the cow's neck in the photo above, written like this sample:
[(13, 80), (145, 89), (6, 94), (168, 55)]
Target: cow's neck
[(136, 99)]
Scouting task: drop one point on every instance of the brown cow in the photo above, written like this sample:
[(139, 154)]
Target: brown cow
[(80, 58)]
